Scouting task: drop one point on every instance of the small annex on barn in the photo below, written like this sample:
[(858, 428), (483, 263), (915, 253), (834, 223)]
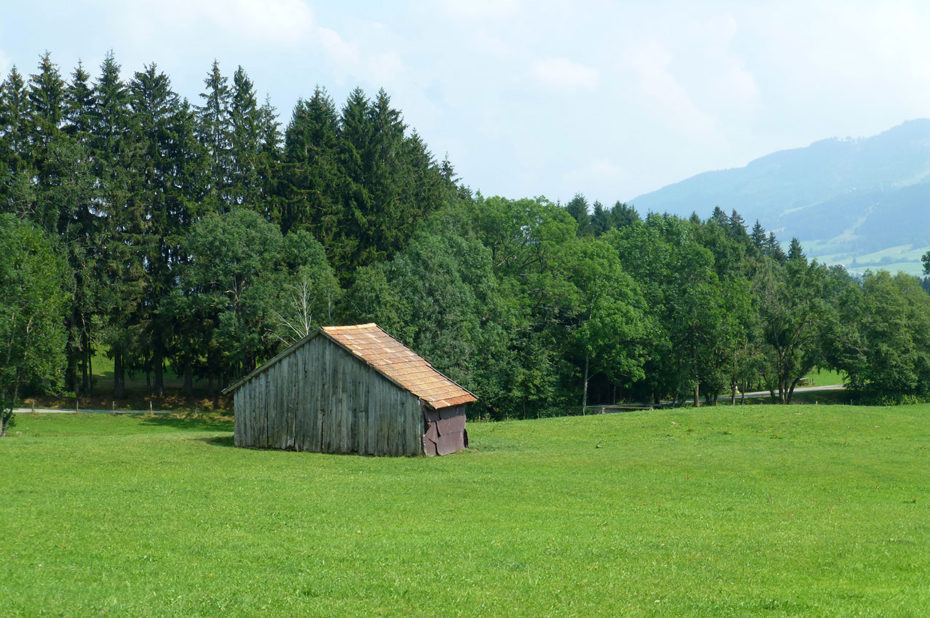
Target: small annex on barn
[(350, 389)]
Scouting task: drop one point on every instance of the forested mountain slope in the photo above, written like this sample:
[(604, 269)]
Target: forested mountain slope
[(859, 202)]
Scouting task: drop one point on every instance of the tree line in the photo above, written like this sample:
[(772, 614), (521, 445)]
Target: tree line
[(185, 227), (202, 238)]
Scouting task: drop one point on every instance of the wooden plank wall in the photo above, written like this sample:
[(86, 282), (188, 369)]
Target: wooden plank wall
[(323, 399)]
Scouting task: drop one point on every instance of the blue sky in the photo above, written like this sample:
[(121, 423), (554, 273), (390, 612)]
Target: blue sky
[(611, 99)]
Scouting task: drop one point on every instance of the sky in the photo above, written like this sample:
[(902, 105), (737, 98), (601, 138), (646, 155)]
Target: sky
[(529, 98)]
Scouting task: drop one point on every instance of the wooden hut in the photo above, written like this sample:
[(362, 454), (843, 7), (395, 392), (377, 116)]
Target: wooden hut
[(350, 389)]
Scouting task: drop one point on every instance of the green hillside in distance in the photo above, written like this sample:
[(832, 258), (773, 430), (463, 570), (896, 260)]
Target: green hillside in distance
[(863, 203)]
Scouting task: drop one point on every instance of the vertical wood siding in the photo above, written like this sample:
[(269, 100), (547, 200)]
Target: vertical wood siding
[(321, 398)]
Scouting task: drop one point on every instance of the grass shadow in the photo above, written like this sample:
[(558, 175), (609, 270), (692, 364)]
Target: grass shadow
[(224, 441), (825, 397), (192, 422)]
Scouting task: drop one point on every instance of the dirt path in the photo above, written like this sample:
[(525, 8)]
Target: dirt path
[(90, 411)]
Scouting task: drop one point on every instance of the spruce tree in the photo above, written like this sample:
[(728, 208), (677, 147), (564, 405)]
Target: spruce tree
[(795, 252), (153, 104), (623, 215), (113, 148), (757, 236), (46, 97), (80, 228), (423, 189), (578, 209), (245, 143), (355, 136), (16, 190), (773, 248), (600, 219), (311, 174), (215, 133)]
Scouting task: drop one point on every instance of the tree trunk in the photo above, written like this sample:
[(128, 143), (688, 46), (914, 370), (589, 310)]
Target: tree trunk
[(791, 390), (89, 370), (5, 415), (119, 376), (87, 362), (6, 411), (584, 394), (733, 393), (71, 383), (697, 393), (188, 380), (159, 367)]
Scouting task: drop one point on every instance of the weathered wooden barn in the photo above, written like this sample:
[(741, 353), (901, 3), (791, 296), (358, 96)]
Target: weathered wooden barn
[(350, 389)]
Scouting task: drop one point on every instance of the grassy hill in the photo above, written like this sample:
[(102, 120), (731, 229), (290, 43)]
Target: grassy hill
[(792, 510)]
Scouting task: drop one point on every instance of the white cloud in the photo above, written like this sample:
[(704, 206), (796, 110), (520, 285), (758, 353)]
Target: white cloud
[(288, 21), (483, 11), (651, 63), (721, 74), (487, 42), (385, 66), (264, 21), (335, 47), (564, 73), (595, 177)]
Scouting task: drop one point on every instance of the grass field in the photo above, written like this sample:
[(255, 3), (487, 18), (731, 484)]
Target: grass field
[(754, 510), (825, 377)]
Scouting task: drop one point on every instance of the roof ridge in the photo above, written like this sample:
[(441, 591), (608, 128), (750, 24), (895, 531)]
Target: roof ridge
[(391, 359)]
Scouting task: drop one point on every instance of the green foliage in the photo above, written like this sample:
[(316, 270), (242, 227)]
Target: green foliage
[(33, 296), (885, 346), (795, 314), (578, 209), (246, 289), (202, 239)]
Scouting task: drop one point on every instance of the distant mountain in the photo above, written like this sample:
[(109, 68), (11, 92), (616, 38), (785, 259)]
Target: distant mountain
[(863, 202)]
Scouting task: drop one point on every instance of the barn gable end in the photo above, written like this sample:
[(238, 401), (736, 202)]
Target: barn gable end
[(350, 390)]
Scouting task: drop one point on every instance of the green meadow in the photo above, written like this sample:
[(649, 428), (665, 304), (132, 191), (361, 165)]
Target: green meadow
[(775, 510)]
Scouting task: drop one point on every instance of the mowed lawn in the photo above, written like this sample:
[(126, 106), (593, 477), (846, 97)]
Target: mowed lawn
[(728, 511)]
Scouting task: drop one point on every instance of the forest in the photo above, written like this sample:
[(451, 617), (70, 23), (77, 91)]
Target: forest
[(202, 238)]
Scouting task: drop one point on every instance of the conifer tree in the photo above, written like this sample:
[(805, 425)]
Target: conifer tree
[(757, 236), (215, 133), (578, 209), (737, 226), (245, 143), (773, 249), (16, 191), (795, 252), (312, 174), (153, 104), (355, 138), (46, 97), (113, 149), (623, 215), (423, 189), (600, 219), (80, 229), (268, 162), (719, 217)]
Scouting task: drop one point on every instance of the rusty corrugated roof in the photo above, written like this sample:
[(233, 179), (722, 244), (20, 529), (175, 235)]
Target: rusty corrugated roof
[(399, 363)]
